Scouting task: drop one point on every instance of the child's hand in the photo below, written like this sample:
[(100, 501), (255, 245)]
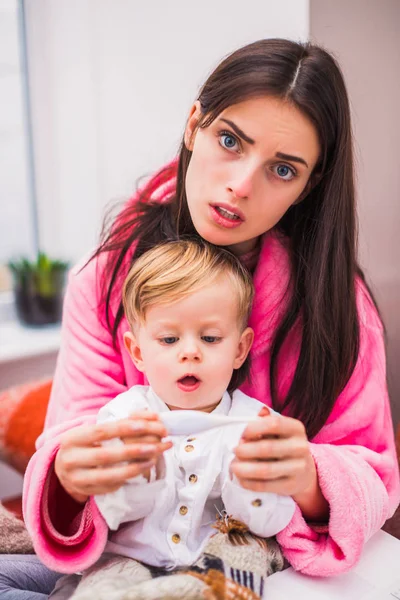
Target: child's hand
[(85, 467)]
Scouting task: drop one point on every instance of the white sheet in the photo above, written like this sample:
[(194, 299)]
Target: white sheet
[(376, 577)]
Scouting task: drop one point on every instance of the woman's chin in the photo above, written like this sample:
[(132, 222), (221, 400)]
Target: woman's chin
[(227, 239), (215, 236)]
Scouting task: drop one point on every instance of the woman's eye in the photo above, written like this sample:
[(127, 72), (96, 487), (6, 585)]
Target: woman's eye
[(168, 340), (210, 339), (228, 141), (284, 172)]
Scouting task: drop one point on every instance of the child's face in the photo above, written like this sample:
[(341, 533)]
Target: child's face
[(189, 349)]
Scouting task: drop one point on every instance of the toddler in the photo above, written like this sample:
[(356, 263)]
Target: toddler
[(187, 305)]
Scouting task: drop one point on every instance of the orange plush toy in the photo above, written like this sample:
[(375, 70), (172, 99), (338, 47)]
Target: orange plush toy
[(22, 414)]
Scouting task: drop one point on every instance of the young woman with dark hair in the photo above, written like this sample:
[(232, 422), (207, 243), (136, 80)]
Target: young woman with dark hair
[(266, 170)]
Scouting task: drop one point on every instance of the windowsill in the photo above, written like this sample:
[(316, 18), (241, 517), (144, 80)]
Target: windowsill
[(19, 341)]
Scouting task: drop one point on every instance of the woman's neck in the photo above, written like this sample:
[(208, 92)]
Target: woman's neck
[(245, 247), (248, 258)]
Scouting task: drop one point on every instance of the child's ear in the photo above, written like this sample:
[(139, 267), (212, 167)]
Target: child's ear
[(245, 342), (134, 350)]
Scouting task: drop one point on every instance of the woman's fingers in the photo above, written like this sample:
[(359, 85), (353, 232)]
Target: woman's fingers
[(269, 449), (273, 426), (143, 439), (88, 435), (86, 466), (105, 480), (283, 486), (80, 458), (266, 470), (274, 456)]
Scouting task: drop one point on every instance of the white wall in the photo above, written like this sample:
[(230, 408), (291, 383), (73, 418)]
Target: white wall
[(364, 35), (111, 84), (16, 223)]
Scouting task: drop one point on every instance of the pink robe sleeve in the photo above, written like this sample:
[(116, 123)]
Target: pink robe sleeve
[(67, 537), (90, 372), (356, 463)]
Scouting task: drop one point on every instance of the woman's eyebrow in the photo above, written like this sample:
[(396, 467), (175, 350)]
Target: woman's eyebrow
[(238, 131), (292, 158), (249, 140)]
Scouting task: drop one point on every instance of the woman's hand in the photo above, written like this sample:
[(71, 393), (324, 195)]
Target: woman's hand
[(274, 456), (85, 467)]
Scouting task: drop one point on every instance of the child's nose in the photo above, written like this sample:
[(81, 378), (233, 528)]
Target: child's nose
[(190, 352)]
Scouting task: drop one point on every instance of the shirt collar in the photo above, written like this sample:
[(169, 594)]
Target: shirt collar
[(223, 407)]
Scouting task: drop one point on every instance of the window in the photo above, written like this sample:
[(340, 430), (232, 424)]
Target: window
[(17, 215)]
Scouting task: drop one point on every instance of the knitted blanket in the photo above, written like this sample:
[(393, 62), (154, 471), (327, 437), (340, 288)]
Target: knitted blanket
[(14, 538), (233, 566)]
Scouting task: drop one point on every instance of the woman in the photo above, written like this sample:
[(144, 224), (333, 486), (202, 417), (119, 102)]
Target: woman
[(266, 170)]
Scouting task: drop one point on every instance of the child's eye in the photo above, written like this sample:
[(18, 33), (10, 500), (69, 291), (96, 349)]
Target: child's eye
[(168, 340), (211, 339), (228, 141)]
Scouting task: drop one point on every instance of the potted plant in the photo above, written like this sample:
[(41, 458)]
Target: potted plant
[(38, 289)]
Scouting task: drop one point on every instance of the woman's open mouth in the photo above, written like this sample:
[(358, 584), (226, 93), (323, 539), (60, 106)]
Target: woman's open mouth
[(188, 383), (226, 217)]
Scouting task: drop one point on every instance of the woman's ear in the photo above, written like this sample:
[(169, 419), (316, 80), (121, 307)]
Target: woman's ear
[(245, 342), (191, 125), (134, 351)]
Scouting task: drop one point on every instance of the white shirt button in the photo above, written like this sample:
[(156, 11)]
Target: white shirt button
[(192, 478), (176, 538)]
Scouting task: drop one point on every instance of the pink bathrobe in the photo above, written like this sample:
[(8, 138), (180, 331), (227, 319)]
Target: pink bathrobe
[(354, 452)]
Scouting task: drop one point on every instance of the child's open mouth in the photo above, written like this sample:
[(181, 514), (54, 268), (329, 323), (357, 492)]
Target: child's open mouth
[(188, 383)]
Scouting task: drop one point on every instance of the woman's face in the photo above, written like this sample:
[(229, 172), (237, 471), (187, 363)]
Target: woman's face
[(247, 168)]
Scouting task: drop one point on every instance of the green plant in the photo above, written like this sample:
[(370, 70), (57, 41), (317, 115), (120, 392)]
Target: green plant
[(43, 277)]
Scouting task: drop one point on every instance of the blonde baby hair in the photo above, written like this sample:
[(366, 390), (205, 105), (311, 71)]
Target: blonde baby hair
[(172, 270)]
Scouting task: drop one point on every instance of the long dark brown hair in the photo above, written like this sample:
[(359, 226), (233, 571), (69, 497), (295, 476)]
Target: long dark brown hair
[(321, 229)]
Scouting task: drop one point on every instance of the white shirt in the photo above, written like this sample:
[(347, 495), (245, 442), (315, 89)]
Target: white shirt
[(167, 522)]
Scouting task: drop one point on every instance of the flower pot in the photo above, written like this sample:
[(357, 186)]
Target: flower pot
[(38, 289), (34, 309), (39, 296)]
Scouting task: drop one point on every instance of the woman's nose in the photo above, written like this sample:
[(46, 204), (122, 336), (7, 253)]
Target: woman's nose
[(241, 182)]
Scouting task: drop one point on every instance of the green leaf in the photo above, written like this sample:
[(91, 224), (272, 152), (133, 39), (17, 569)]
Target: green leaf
[(43, 276)]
